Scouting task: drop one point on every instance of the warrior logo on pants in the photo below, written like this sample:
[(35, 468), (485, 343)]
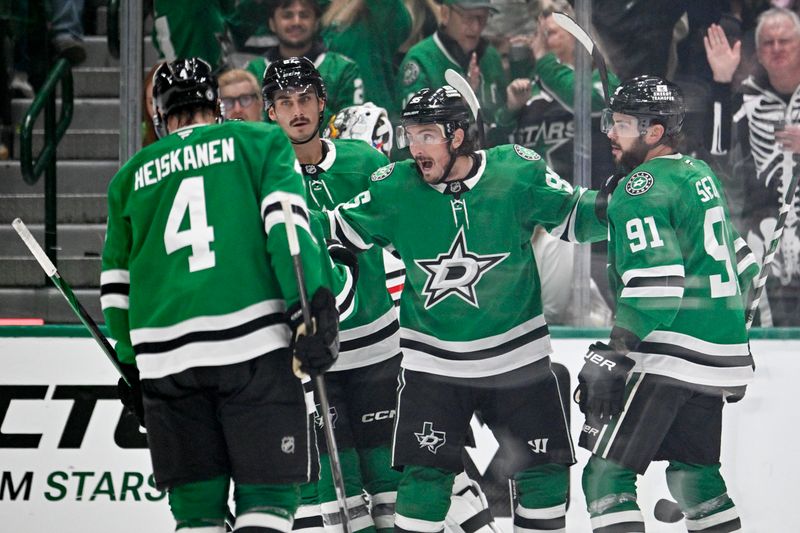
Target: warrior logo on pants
[(429, 438)]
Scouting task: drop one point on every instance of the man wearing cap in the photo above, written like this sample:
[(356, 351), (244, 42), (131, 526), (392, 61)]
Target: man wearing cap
[(458, 45)]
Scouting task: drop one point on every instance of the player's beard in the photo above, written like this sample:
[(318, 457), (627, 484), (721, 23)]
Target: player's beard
[(632, 157)]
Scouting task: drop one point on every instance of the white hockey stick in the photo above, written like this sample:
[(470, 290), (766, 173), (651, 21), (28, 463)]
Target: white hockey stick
[(786, 205), (66, 291), (573, 28), (457, 82), (319, 380)]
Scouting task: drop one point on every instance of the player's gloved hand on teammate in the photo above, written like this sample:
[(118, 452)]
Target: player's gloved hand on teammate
[(601, 381), (315, 352), (343, 255), (131, 395), (604, 196)]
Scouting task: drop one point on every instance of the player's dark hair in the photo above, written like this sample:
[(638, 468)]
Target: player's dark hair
[(283, 4)]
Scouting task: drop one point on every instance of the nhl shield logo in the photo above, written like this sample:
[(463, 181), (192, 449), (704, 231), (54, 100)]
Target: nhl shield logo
[(382, 173), (526, 153), (430, 438), (639, 183), (287, 444), (311, 169)]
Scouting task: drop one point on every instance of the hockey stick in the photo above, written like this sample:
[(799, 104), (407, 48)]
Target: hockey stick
[(573, 28), (457, 82), (319, 380), (66, 291), (786, 205)]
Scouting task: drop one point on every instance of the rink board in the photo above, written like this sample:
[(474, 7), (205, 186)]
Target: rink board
[(69, 461)]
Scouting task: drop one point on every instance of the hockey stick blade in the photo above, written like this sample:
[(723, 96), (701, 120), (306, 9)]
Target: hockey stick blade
[(457, 82), (319, 380), (573, 28), (66, 291)]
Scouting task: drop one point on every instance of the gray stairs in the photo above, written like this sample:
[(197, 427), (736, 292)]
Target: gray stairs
[(87, 159)]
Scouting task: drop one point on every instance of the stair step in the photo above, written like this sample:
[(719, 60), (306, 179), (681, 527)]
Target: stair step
[(88, 113), (76, 176), (80, 144), (48, 303), (97, 54), (22, 271), (95, 82), (70, 208), (75, 240)]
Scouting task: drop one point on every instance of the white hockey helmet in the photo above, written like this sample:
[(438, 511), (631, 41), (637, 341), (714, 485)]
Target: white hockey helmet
[(366, 122)]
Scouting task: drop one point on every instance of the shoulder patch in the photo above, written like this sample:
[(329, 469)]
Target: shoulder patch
[(382, 173), (526, 153), (639, 183), (410, 73)]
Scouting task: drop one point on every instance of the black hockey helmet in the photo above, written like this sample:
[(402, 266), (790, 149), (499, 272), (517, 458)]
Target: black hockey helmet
[(287, 73), (443, 106), (182, 83), (653, 100)]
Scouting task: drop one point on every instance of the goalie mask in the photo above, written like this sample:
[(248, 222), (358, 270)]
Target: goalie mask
[(652, 100), (366, 122), (181, 84)]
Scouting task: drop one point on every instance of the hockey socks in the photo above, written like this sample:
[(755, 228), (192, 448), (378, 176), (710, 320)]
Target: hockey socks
[(702, 496), (265, 508), (200, 506), (360, 518), (380, 482), (610, 491), (469, 511), (423, 499), (541, 499), (308, 518)]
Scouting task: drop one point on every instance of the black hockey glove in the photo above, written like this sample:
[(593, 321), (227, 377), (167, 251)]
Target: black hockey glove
[(601, 381), (604, 196), (343, 255), (131, 395), (316, 352)]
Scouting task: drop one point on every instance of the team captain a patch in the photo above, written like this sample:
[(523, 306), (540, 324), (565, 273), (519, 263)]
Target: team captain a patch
[(639, 183), (526, 153), (382, 173)]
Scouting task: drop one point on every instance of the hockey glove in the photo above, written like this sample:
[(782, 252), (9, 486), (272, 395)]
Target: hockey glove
[(131, 395), (344, 256), (316, 352), (601, 381), (604, 196)]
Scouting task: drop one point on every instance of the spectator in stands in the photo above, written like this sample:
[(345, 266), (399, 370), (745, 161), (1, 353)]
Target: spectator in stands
[(68, 30), (762, 134), (459, 45), (240, 94), (370, 33), (188, 28), (295, 23), (425, 18), (540, 105), (148, 110)]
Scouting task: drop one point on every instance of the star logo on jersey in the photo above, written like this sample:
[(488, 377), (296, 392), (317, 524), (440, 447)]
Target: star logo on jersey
[(318, 417), (382, 173), (526, 153), (430, 438), (456, 272), (639, 183)]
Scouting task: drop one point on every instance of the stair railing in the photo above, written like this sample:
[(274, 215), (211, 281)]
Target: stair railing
[(53, 132)]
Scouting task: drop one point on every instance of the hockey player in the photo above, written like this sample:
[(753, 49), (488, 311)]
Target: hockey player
[(196, 281), (472, 331), (295, 23), (362, 384), (678, 348)]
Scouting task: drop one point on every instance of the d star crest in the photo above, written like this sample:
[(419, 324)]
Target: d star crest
[(430, 438), (456, 272)]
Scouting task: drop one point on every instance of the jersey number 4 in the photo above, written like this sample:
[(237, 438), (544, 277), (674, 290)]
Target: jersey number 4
[(199, 235), (638, 229)]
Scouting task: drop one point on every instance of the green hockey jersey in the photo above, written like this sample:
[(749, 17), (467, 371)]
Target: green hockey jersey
[(471, 304), (371, 333), (196, 266), (679, 269), (426, 62), (342, 78)]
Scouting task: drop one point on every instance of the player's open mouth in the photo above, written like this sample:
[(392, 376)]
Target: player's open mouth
[(425, 164), (299, 122)]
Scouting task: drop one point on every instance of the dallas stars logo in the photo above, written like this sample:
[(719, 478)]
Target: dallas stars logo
[(429, 438), (639, 183), (456, 272)]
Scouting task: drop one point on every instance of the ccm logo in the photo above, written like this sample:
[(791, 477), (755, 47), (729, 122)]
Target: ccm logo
[(374, 417)]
